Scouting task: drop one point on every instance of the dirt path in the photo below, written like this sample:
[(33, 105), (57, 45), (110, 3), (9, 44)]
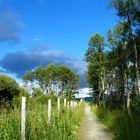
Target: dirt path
[(92, 128)]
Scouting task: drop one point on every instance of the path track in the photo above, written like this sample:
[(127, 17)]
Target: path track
[(92, 128)]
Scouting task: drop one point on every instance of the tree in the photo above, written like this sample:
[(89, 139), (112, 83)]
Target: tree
[(129, 11), (65, 76), (118, 60), (8, 88), (96, 57), (53, 75), (28, 76), (37, 92), (40, 77)]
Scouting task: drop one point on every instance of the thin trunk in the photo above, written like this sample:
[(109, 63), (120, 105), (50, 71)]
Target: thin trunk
[(61, 89), (103, 89), (129, 106), (128, 101), (49, 88), (103, 83), (137, 70)]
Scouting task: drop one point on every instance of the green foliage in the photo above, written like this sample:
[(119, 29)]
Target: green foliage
[(37, 92), (136, 103), (23, 92), (127, 37), (116, 69), (64, 127), (67, 78), (51, 73), (119, 68), (96, 56), (96, 47), (28, 76), (119, 122), (8, 88), (40, 76), (60, 75)]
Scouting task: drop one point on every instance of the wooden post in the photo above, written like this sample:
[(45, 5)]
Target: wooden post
[(58, 101), (23, 117), (65, 102), (49, 110)]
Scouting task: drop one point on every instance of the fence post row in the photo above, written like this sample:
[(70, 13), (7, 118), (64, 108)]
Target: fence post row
[(23, 117), (23, 112)]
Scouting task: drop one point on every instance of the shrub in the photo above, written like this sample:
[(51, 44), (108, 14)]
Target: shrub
[(37, 92), (8, 88)]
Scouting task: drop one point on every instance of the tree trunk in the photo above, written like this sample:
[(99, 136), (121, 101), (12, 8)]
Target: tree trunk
[(61, 89), (49, 90), (137, 70), (128, 101)]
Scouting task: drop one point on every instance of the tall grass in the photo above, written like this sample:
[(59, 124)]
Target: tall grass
[(64, 127), (119, 122)]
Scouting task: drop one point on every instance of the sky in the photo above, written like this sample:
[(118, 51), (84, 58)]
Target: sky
[(38, 32)]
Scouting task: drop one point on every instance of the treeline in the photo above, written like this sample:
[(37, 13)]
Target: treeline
[(114, 60), (61, 76)]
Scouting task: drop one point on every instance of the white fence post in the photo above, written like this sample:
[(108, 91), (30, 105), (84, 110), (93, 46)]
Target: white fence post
[(23, 117), (68, 105), (58, 101), (65, 102), (49, 110), (80, 101), (71, 104)]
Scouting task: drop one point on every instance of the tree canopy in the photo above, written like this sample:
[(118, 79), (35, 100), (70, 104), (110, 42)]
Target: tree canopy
[(61, 76), (114, 61)]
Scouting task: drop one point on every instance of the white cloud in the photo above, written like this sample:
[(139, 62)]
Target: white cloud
[(37, 39)]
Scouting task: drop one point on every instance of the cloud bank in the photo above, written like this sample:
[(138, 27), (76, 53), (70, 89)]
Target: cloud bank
[(20, 62), (10, 27)]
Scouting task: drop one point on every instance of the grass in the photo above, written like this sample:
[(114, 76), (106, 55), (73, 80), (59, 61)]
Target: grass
[(119, 122), (64, 127)]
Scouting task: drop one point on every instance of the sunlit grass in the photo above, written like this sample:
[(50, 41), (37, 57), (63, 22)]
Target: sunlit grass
[(62, 127), (119, 122)]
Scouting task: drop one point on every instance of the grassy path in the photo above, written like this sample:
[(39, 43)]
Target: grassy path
[(92, 128)]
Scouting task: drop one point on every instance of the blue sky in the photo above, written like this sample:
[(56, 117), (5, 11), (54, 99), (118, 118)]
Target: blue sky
[(38, 32)]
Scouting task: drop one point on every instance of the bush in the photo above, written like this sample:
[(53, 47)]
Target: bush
[(136, 103), (8, 88), (37, 92)]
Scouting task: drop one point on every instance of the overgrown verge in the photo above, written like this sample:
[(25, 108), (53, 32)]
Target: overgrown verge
[(64, 127), (119, 122)]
